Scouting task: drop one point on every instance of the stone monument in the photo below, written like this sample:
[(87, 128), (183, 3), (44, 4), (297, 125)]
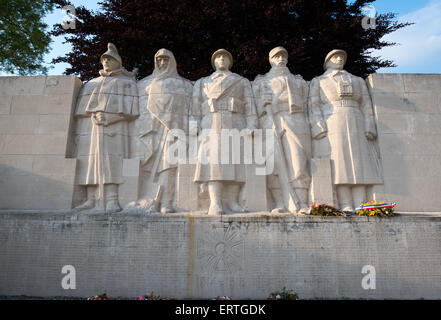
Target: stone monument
[(104, 144)]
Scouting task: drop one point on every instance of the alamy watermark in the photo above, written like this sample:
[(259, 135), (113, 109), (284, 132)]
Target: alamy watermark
[(369, 20), (69, 19), (222, 147), (369, 280), (69, 281)]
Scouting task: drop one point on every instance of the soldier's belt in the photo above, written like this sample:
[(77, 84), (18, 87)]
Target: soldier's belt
[(344, 104), (231, 105), (286, 108)]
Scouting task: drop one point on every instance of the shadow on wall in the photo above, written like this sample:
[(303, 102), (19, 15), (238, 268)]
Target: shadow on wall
[(47, 185)]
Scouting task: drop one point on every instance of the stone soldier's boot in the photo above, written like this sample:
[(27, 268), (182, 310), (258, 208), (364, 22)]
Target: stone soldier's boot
[(111, 195), (278, 200), (215, 191), (90, 202)]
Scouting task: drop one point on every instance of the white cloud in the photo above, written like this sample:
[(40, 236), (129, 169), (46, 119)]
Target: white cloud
[(419, 42)]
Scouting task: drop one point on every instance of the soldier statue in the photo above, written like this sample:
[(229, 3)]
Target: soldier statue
[(281, 100), (222, 101), (165, 99), (345, 104), (105, 106)]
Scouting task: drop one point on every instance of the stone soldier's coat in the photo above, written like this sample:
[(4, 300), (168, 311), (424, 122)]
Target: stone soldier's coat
[(223, 100), (114, 93), (344, 101), (287, 95), (165, 99)]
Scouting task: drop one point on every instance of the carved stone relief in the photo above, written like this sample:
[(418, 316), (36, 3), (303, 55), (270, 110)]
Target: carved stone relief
[(333, 114)]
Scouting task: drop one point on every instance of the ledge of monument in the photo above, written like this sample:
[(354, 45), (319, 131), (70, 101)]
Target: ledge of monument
[(201, 216)]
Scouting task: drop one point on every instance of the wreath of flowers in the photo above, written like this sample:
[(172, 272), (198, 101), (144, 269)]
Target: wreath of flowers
[(376, 209), (324, 210)]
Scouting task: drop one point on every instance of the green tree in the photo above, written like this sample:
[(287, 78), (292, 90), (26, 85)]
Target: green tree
[(249, 29), (23, 36)]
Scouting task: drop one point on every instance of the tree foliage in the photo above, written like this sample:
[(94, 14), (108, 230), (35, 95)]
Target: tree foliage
[(23, 36), (249, 29)]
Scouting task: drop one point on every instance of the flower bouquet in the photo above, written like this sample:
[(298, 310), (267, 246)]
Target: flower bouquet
[(152, 296), (284, 295), (376, 209), (223, 298), (324, 211)]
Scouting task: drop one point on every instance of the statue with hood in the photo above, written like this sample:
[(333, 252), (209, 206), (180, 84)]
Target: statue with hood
[(223, 100), (165, 99), (105, 106), (343, 101), (281, 100)]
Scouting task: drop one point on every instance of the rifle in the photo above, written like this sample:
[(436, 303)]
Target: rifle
[(288, 192), (100, 156)]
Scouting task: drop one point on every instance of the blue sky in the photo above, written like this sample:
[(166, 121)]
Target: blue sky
[(419, 50)]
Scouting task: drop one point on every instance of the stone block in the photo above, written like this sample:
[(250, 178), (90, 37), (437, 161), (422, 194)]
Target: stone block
[(409, 123), (18, 124), (191, 257), (60, 85), (410, 144), (53, 165), (15, 144), (39, 187), (425, 102), (5, 104), (392, 102), (7, 86), (54, 124), (321, 186), (398, 123), (28, 104), (31, 85), (428, 124), (60, 104), (409, 167), (418, 194), (12, 165), (20, 202), (32, 145), (422, 82), (384, 82)]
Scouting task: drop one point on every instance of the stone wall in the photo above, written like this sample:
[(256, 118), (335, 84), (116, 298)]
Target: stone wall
[(408, 116), (35, 126), (37, 170), (242, 256)]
